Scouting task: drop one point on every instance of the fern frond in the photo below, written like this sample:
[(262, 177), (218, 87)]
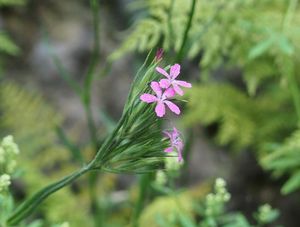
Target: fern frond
[(25, 115), (231, 33), (210, 104), (145, 36), (285, 159), (238, 115)]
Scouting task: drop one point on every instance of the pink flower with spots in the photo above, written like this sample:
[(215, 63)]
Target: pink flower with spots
[(176, 142), (161, 99), (171, 79)]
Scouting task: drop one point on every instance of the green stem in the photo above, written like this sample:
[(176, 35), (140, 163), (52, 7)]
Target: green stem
[(96, 50), (181, 52), (27, 207), (293, 83), (144, 186), (170, 27), (95, 208), (86, 98), (289, 14), (91, 125)]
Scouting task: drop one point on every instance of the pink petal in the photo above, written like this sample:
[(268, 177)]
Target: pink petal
[(183, 83), (160, 109), (177, 89), (162, 71), (169, 149), (175, 132), (174, 71), (156, 88), (175, 109), (167, 134), (169, 93), (148, 98), (164, 83)]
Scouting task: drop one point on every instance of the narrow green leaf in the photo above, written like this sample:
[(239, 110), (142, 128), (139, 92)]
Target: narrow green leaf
[(285, 45), (292, 184), (260, 48)]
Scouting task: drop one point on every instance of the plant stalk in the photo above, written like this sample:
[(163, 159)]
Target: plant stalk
[(144, 187), (92, 181), (181, 52)]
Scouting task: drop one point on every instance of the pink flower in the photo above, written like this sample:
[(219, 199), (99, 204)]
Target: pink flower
[(176, 142), (161, 99), (170, 81)]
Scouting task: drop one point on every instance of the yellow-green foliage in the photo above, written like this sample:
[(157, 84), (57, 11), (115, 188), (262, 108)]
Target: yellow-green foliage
[(285, 158), (237, 29), (32, 121), (166, 209), (26, 116), (252, 35), (243, 121)]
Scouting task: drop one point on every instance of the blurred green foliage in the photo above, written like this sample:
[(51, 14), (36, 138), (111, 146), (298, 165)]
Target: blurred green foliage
[(196, 207), (41, 159), (7, 45)]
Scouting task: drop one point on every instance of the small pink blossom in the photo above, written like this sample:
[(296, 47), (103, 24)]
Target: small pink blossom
[(171, 79), (176, 142), (161, 99)]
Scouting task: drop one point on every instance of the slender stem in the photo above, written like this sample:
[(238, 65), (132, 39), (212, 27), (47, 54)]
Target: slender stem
[(91, 125), (144, 186), (289, 14), (95, 208), (86, 98), (293, 83), (27, 207), (170, 27), (180, 54), (96, 50)]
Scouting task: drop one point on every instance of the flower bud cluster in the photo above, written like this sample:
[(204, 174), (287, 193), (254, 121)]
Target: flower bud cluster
[(215, 201), (266, 214), (4, 182), (8, 152)]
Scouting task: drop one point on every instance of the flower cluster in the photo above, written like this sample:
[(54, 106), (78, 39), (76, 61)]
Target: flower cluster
[(4, 182), (8, 152), (164, 91), (215, 201)]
